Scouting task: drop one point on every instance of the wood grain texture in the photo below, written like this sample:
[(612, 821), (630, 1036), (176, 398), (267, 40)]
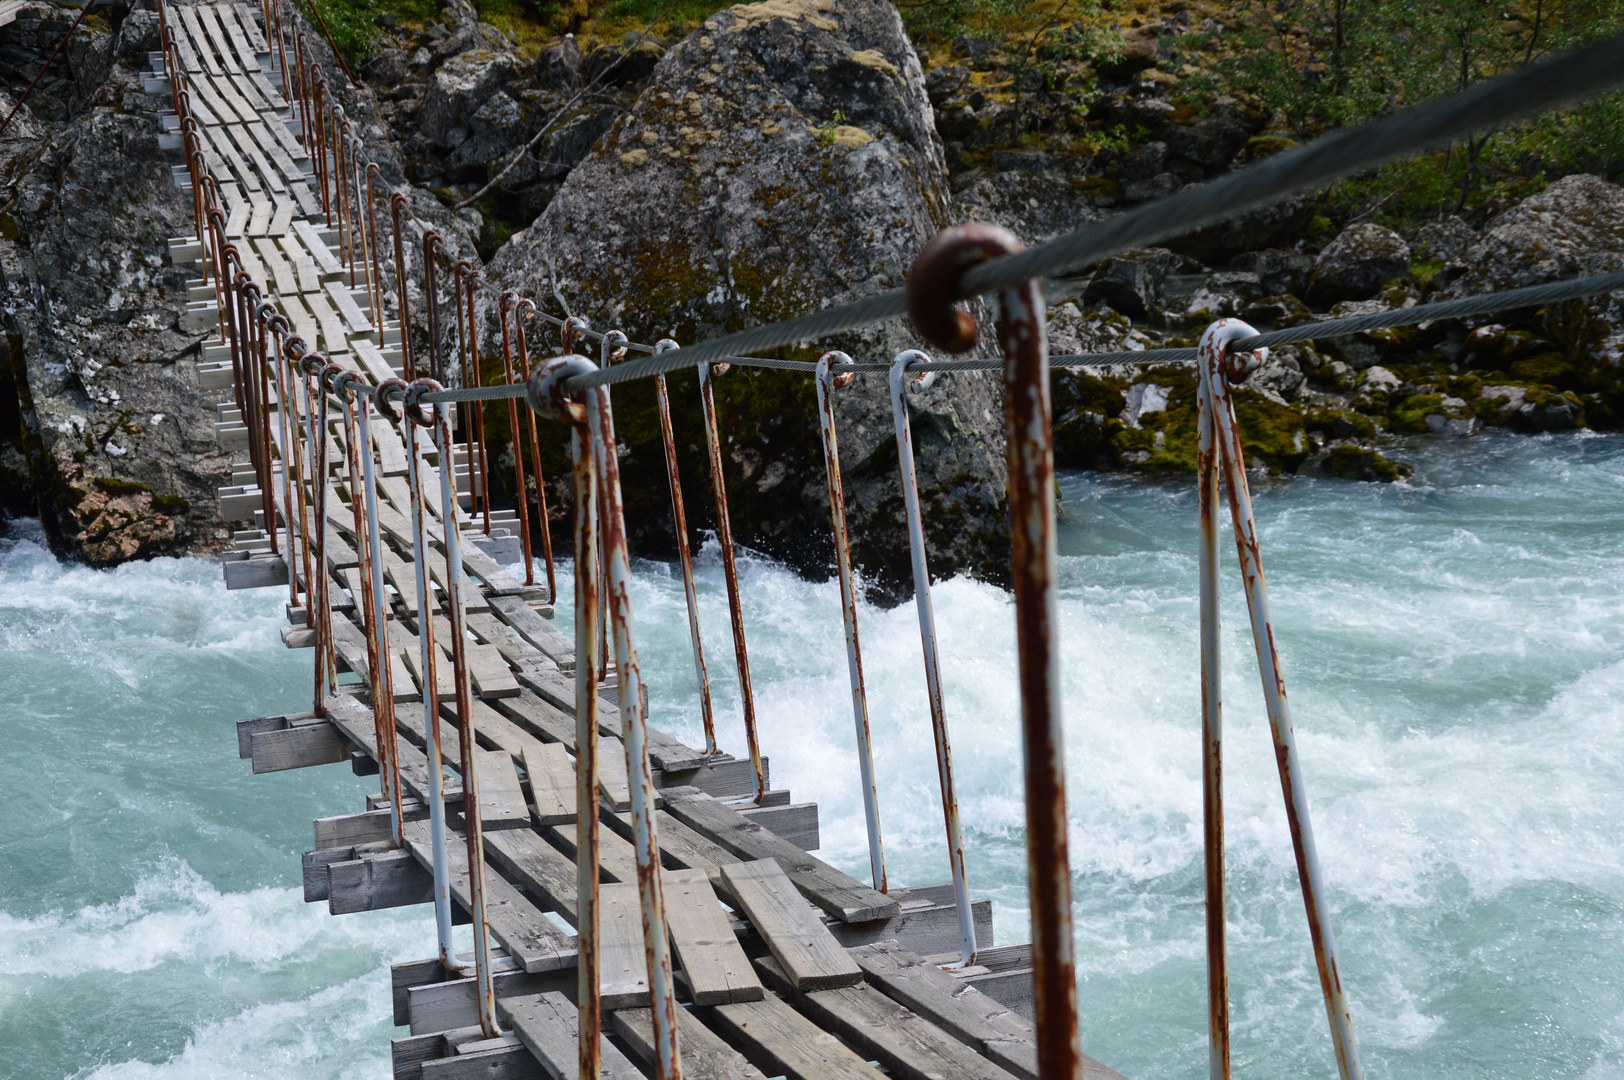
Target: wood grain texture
[(794, 933), (713, 964)]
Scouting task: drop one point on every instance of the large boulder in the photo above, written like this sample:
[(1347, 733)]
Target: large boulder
[(1357, 262), (1573, 227), (781, 159), (459, 89)]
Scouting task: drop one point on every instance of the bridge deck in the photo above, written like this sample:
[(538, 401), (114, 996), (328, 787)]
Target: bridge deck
[(788, 966)]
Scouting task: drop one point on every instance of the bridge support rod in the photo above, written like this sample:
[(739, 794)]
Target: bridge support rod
[(826, 383), (903, 384), (730, 571), (634, 729), (685, 558), (933, 284), (1217, 370)]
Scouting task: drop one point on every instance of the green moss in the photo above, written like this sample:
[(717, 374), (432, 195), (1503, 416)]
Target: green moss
[(1410, 415), (117, 487), (1363, 463), (1339, 424), (173, 505)]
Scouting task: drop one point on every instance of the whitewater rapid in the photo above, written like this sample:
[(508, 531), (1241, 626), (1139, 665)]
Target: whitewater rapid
[(1454, 649)]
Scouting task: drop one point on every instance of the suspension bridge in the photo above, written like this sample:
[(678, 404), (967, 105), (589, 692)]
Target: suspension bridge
[(640, 907)]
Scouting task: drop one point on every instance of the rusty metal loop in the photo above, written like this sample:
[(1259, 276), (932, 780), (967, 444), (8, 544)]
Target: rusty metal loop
[(545, 389), (391, 388), (525, 308), (326, 376), (612, 347), (342, 382), (844, 379), (280, 326), (572, 328), (665, 345), (933, 283), (920, 380), (414, 394), (398, 201)]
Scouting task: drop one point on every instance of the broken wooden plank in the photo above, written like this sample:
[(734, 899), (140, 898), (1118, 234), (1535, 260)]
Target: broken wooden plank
[(952, 1005), (704, 1054), (552, 783), (715, 967), (548, 1025), (839, 894), (622, 965), (501, 802), (782, 1042), (794, 933), (907, 1045)]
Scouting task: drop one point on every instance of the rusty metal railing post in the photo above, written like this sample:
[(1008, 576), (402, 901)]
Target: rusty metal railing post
[(1212, 732), (546, 397), (485, 987), (475, 281), (730, 572), (265, 313), (685, 557), (397, 203), (433, 242), (932, 287), (505, 305), (903, 383), (316, 368), (827, 382), (369, 548), (634, 725), (527, 308), (1218, 369), (410, 419)]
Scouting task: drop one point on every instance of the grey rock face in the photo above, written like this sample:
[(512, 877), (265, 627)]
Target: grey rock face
[(1132, 281), (1442, 241), (459, 89), (781, 159), (1573, 227), (1354, 265)]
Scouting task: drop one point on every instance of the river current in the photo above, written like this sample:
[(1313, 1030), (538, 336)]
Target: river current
[(1454, 649)]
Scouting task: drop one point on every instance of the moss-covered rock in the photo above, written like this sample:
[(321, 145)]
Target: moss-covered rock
[(1351, 462)]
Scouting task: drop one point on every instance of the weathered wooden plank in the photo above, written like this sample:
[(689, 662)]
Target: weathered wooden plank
[(540, 718), (622, 966), (796, 822), (552, 642), (704, 1054), (528, 935), (714, 965), (317, 248), (298, 747), (552, 783), (781, 1042), (501, 801), (504, 1063), (617, 859), (376, 881), (547, 1023), (680, 846), (537, 866), (355, 720), (313, 867), (906, 1044), (439, 1005), (351, 829), (960, 1010), (614, 786), (839, 894), (247, 729), (792, 930), (407, 1055)]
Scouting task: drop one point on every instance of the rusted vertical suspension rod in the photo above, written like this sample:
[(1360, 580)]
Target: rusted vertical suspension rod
[(611, 348), (369, 547), (397, 203), (525, 308), (679, 519), (1212, 732), (485, 987), (375, 284), (473, 375), (571, 331), (730, 572), (932, 285), (410, 418), (903, 383), (827, 382), (326, 673), (1217, 370), (504, 307), (266, 316), (634, 721), (548, 402)]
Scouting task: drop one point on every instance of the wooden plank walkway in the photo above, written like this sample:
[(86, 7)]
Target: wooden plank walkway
[(839, 979)]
